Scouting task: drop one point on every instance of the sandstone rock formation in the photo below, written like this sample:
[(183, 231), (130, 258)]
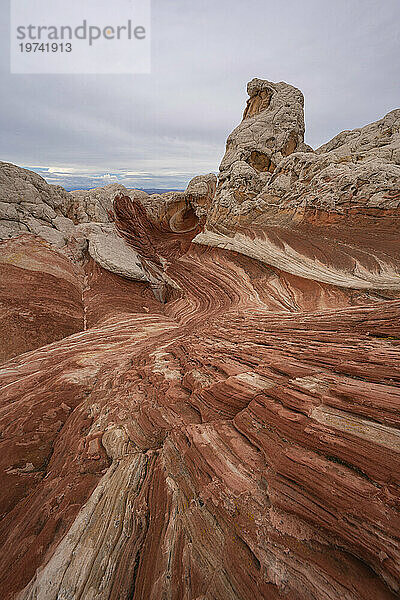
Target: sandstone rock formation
[(29, 204), (215, 420), (272, 128), (94, 205), (82, 220), (345, 196), (180, 211), (40, 295)]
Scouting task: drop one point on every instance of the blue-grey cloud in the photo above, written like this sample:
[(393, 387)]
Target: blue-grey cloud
[(172, 124)]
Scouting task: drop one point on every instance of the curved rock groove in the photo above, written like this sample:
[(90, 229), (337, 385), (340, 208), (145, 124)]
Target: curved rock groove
[(224, 427), (214, 446)]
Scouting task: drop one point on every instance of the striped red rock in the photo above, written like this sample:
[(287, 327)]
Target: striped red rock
[(40, 295), (236, 438)]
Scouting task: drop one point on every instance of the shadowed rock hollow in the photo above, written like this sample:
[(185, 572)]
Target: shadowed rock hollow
[(200, 390)]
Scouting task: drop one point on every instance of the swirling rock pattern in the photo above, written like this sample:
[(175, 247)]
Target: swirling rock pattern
[(219, 426)]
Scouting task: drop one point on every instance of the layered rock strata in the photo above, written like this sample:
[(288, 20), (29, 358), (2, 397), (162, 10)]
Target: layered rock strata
[(214, 420), (331, 215)]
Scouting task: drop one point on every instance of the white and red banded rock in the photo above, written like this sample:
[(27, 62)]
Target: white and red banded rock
[(209, 421), (330, 215)]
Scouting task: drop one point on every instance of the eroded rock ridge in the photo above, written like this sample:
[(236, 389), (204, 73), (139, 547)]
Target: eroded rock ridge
[(200, 391)]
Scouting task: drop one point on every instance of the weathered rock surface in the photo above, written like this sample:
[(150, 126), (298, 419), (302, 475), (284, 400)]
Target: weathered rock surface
[(94, 205), (174, 211), (40, 295), (219, 426), (356, 171), (272, 128), (83, 219), (180, 211), (332, 215), (29, 204)]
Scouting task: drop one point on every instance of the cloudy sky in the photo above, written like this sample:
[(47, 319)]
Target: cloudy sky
[(158, 130)]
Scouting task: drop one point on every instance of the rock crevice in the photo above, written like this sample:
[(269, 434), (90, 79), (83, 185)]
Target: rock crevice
[(199, 397)]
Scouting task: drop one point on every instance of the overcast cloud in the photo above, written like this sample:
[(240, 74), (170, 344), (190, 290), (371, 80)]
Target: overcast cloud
[(159, 130)]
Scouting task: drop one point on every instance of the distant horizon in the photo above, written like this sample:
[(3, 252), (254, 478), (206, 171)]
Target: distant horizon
[(71, 180), (147, 190), (159, 130)]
